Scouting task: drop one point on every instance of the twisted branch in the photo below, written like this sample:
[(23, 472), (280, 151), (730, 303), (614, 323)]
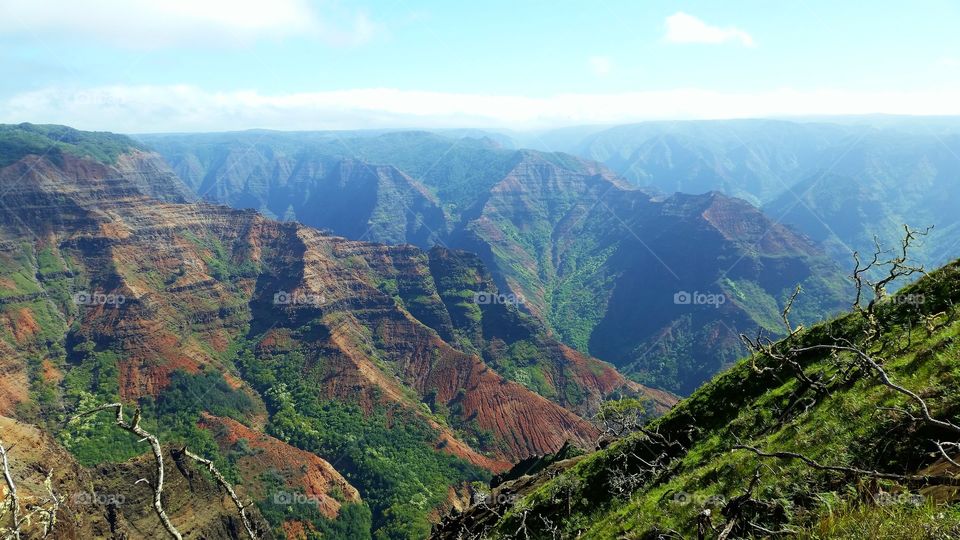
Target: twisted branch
[(875, 366), (227, 487), (134, 427), (922, 480), (12, 495)]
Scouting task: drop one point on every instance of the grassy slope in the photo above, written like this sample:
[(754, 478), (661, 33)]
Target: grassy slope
[(844, 428), (20, 140)]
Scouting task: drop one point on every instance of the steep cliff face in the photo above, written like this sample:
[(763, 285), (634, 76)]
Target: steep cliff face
[(379, 351), (661, 287), (359, 199), (225, 326), (594, 259), (107, 296), (842, 183), (516, 345)]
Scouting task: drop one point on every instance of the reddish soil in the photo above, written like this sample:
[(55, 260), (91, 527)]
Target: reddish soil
[(305, 472)]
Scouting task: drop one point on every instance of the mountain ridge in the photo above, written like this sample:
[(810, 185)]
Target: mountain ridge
[(192, 309), (554, 229)]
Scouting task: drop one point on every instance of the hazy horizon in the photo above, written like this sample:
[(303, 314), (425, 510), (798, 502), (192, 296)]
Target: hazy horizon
[(147, 67), (872, 120)]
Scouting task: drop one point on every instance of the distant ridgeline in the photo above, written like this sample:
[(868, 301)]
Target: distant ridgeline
[(601, 263)]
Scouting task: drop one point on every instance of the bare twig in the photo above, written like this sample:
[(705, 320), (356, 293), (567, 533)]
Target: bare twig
[(924, 480), (785, 314), (51, 513), (875, 366), (134, 427), (14, 532), (898, 267), (228, 488), (940, 446)]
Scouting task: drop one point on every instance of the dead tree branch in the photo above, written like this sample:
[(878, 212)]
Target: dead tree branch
[(920, 480), (228, 488), (897, 267), (14, 531), (134, 427), (734, 509), (51, 513), (874, 366), (785, 314)]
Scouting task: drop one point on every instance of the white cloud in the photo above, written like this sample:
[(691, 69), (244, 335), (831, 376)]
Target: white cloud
[(148, 24), (601, 66), (139, 109), (683, 28)]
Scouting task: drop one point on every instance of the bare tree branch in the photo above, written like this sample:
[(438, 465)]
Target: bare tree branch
[(943, 452), (734, 509), (898, 267), (51, 513), (923, 480), (228, 488), (134, 427), (875, 366), (14, 532), (785, 314)]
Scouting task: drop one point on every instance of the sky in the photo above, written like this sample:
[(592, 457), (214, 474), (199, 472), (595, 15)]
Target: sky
[(140, 66)]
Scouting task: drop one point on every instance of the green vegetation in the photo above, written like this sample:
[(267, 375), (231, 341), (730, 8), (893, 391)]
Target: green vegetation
[(761, 403), (222, 265), (352, 522), (17, 141), (386, 453), (172, 417), (204, 391), (578, 297)]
